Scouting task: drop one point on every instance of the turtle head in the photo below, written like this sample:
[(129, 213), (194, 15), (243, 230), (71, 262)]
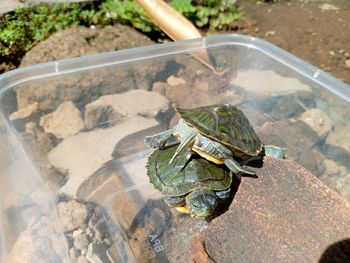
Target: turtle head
[(201, 202)]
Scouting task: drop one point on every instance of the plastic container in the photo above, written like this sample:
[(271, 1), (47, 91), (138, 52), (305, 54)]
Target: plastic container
[(93, 151)]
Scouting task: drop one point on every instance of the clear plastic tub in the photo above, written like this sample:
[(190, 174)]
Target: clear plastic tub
[(72, 140)]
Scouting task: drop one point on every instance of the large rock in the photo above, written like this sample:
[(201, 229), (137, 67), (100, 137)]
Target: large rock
[(84, 86), (75, 42), (284, 215)]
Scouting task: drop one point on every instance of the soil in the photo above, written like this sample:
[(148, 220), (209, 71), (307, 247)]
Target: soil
[(304, 28)]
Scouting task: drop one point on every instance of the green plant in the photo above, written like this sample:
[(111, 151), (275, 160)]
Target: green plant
[(211, 14), (20, 30), (124, 12), (23, 28)]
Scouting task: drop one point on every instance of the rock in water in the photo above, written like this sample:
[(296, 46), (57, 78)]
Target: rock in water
[(72, 215), (318, 121), (63, 122)]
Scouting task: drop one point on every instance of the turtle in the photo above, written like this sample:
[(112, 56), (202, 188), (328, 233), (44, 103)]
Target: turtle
[(220, 133), (192, 185)]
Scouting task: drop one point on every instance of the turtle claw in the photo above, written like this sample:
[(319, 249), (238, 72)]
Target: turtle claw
[(159, 140), (274, 151), (153, 142)]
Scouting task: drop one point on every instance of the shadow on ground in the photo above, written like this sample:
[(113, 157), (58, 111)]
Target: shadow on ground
[(337, 253)]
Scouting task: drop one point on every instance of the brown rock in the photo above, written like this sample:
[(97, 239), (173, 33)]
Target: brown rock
[(317, 120), (340, 137), (197, 94), (174, 81), (160, 87), (75, 42), (88, 85), (39, 143), (72, 215), (284, 215), (27, 114), (98, 114), (64, 122)]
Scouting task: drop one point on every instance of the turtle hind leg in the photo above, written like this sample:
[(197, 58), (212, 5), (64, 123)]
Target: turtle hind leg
[(236, 168), (274, 151), (224, 194), (159, 140)]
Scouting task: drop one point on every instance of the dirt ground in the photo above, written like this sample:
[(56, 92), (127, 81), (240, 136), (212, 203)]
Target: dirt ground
[(316, 31)]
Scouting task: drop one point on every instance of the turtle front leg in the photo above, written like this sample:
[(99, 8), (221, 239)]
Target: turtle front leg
[(223, 194), (274, 151), (187, 139), (236, 168), (159, 140)]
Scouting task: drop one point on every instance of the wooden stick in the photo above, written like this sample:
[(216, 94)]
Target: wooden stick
[(176, 26)]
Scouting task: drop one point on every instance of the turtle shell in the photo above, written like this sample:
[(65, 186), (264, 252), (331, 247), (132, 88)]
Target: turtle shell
[(225, 124), (175, 180)]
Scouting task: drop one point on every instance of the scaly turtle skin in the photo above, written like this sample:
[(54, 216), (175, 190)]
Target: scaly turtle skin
[(218, 133), (193, 186)]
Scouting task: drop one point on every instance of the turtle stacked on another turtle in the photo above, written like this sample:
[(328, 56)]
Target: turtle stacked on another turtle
[(211, 139)]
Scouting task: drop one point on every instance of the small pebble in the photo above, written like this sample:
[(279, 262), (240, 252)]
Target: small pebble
[(73, 254), (107, 241), (77, 232), (81, 241), (270, 33), (174, 81), (347, 63), (82, 259)]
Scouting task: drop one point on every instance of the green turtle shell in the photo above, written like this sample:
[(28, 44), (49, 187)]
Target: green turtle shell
[(175, 180), (225, 124)]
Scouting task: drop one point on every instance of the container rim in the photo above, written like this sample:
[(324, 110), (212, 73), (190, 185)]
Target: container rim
[(70, 65)]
